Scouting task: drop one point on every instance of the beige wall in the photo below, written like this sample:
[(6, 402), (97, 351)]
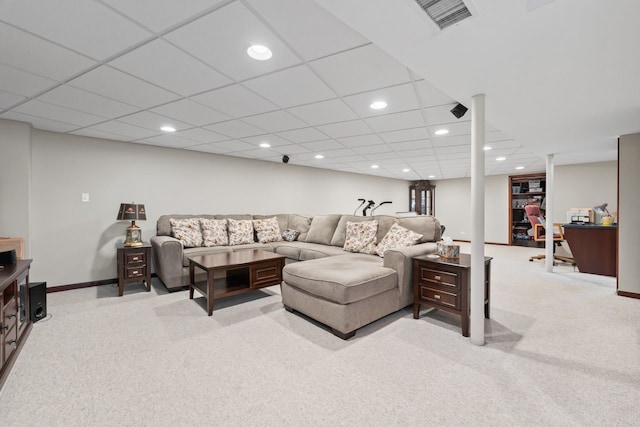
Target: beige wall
[(628, 230), (74, 242)]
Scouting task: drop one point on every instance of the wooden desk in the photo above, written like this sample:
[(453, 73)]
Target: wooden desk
[(594, 247)]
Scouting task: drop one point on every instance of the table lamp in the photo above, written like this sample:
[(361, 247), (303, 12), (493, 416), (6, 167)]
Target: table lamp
[(133, 212)]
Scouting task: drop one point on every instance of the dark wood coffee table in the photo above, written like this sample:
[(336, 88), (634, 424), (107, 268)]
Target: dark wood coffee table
[(246, 270)]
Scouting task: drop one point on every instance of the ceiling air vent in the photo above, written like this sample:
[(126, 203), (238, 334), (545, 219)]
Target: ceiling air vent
[(445, 12)]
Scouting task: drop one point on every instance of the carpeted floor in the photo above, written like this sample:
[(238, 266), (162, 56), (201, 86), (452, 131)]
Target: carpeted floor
[(562, 350)]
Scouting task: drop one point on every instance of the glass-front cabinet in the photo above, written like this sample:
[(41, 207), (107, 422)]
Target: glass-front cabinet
[(524, 190), (422, 198)]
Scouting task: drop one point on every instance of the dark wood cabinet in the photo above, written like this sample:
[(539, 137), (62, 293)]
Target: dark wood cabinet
[(134, 266), (444, 283), (422, 196), (15, 323)]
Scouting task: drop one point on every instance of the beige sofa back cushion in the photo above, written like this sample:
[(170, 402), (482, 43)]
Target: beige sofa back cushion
[(428, 226), (301, 224), (322, 229), (384, 225), (339, 236), (237, 217), (163, 226)]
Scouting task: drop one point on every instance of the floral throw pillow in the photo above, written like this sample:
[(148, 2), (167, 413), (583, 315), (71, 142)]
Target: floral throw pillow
[(361, 237), (214, 232), (240, 231), (187, 231), (397, 237), (290, 234), (267, 230)]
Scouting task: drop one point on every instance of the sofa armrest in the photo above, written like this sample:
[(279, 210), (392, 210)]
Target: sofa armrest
[(167, 259), (401, 260)]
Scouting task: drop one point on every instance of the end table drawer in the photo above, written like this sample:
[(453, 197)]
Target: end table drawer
[(132, 272), (267, 273), (437, 277), (440, 297), (134, 258)]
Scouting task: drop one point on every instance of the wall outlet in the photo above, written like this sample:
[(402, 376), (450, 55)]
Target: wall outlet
[(85, 197)]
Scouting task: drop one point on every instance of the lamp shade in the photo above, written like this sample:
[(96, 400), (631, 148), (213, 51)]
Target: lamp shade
[(132, 212)]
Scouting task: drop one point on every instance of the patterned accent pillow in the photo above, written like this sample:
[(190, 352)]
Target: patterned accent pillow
[(187, 231), (267, 230), (240, 231), (397, 237), (214, 232), (290, 234), (361, 237)]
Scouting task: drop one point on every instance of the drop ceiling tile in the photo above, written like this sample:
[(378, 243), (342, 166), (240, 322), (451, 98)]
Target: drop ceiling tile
[(326, 145), (497, 136), (398, 98), (221, 39), (95, 133), (39, 122), (302, 135), (455, 129), (81, 100), (162, 64), (62, 20), (310, 29), (339, 154), (236, 101), (152, 121), (453, 149), (350, 72), (9, 99), (44, 59), (167, 141), (411, 145), (209, 148), (125, 129), (162, 14), (442, 115), (22, 83), (290, 150), (114, 84), (191, 112), (319, 113), (272, 140), (405, 135), (258, 153), (361, 140), (235, 129), (344, 129), (440, 141), (396, 121), (290, 87), (387, 155), (234, 145), (58, 113), (201, 135), (432, 97), (371, 149), (354, 161), (275, 121)]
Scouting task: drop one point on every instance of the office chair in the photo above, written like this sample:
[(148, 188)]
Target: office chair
[(533, 213)]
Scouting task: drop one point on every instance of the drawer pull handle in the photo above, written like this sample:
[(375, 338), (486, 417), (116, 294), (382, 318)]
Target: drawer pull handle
[(134, 272), (436, 296), (438, 278), (9, 316), (12, 342), (135, 258)]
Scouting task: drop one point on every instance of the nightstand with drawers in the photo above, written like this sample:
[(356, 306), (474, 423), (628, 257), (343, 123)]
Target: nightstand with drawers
[(444, 284), (134, 265)]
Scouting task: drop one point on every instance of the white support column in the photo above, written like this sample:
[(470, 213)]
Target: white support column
[(548, 237), (476, 300)]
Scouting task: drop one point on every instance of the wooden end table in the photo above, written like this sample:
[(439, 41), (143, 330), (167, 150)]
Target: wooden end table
[(246, 270), (444, 283), (134, 265)]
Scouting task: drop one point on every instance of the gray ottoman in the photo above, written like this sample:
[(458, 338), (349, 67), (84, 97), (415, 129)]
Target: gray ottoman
[(344, 292)]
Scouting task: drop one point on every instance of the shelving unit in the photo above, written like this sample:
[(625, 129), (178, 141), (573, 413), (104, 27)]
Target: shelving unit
[(524, 190)]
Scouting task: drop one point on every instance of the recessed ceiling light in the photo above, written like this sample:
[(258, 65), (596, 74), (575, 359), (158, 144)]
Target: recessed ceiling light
[(519, 167), (406, 170), (168, 129), (442, 132), (374, 166), (259, 52), (319, 156), (378, 105), (487, 148), (500, 159), (432, 176), (265, 145)]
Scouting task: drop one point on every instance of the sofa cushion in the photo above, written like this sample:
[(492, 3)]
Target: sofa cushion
[(341, 279), (300, 223), (316, 250), (237, 217), (289, 249), (322, 229), (214, 232), (428, 226), (384, 225), (338, 237), (240, 231), (187, 231), (397, 237), (267, 230), (361, 237)]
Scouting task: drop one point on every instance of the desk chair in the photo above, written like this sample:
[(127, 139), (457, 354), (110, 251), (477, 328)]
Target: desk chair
[(533, 213)]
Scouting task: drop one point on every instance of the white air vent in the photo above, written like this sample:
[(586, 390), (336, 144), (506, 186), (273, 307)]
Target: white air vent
[(445, 12)]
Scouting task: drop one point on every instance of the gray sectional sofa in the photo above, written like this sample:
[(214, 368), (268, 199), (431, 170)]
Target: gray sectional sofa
[(343, 290)]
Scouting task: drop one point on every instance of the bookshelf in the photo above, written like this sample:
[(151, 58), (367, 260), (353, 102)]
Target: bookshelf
[(524, 190)]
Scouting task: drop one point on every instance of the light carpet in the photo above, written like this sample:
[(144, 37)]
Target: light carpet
[(562, 350)]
